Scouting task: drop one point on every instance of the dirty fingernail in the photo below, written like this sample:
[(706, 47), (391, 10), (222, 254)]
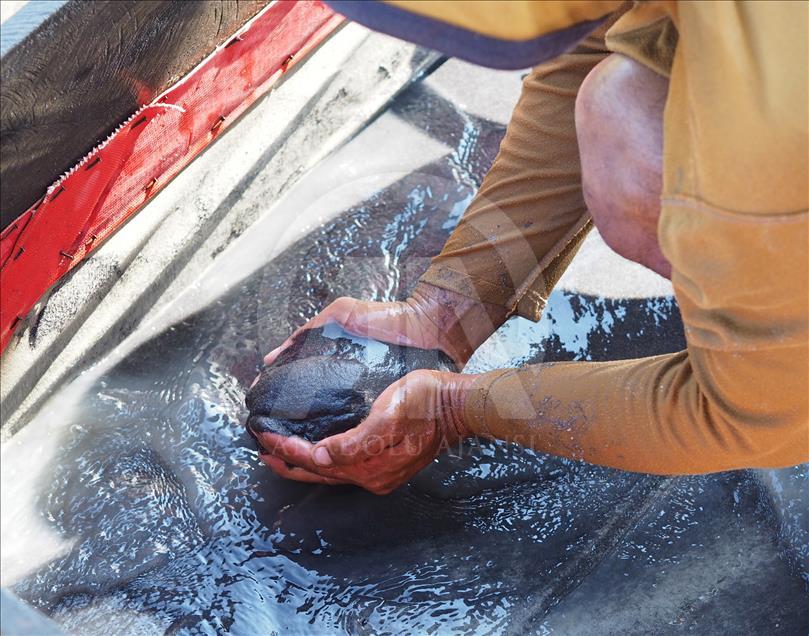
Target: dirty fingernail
[(322, 457)]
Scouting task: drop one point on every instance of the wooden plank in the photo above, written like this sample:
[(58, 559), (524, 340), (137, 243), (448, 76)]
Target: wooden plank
[(88, 67)]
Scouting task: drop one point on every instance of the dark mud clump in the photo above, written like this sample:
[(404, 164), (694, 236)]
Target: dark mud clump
[(326, 381)]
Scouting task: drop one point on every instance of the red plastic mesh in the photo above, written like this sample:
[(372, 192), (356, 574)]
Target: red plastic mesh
[(146, 151)]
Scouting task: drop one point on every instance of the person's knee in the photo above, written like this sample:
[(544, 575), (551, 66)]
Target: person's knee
[(619, 124)]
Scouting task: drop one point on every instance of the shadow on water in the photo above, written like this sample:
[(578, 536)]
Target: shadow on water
[(174, 526)]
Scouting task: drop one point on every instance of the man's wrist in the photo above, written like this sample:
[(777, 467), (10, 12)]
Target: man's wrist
[(476, 410), (456, 388), (461, 322)]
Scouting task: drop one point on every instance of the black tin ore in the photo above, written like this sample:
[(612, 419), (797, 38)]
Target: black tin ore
[(326, 381)]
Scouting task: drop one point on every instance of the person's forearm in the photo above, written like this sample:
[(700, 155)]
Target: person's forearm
[(528, 218), (649, 415), (463, 324)]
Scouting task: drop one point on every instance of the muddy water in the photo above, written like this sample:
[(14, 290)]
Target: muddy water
[(150, 513)]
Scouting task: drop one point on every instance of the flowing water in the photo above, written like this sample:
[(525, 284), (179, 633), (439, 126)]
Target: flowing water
[(138, 504)]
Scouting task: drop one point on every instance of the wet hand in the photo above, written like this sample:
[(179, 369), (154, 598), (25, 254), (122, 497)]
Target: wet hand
[(410, 424), (432, 318)]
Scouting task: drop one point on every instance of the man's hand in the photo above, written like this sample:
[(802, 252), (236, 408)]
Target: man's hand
[(410, 423), (432, 318)]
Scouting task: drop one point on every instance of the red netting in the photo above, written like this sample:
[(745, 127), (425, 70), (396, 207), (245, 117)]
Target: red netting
[(120, 175)]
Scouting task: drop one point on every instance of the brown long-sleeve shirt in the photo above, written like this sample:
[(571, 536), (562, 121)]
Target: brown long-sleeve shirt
[(734, 226), (737, 396)]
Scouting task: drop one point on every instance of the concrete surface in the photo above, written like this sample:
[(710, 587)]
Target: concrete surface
[(598, 271), (9, 7)]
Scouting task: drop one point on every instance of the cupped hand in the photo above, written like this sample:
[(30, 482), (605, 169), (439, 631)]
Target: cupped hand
[(432, 318), (409, 424)]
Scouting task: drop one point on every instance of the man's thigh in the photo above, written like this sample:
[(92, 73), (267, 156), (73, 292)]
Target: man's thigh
[(619, 125)]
